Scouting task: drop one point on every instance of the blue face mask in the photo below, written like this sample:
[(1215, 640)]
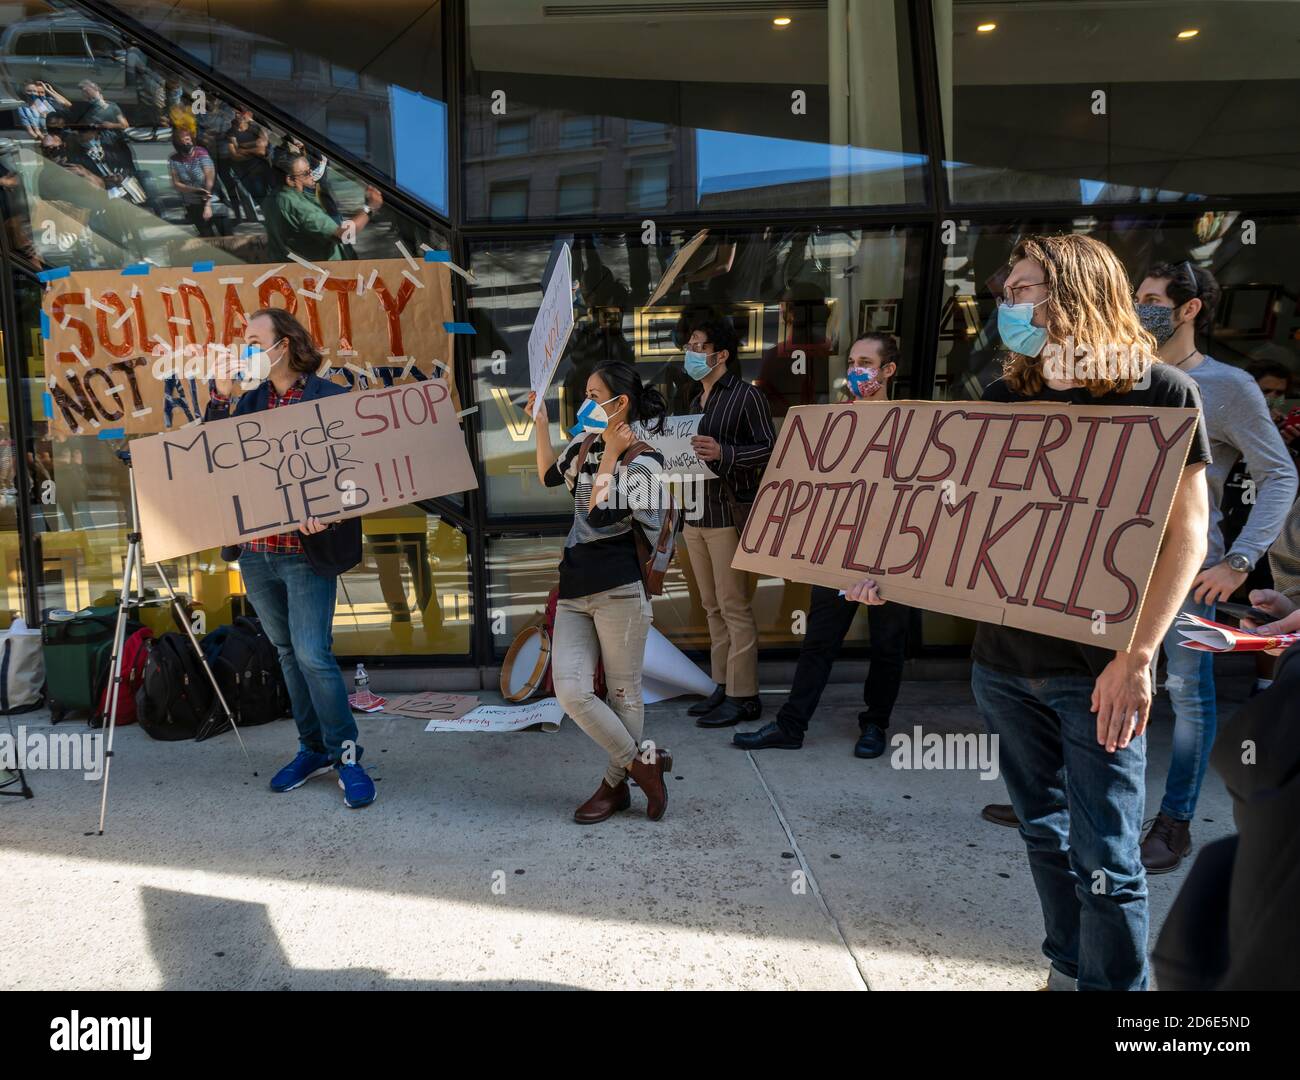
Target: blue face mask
[(697, 364), (592, 417), (1018, 332)]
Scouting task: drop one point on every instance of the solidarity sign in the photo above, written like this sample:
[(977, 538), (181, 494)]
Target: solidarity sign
[(1040, 516), (134, 351), (237, 479)]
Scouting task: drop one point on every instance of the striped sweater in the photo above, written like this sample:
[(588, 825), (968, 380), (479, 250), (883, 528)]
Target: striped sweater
[(600, 551)]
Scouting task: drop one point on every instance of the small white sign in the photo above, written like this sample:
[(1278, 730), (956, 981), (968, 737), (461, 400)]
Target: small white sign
[(552, 326), (675, 445)]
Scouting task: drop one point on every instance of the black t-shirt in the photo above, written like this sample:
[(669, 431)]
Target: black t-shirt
[(1022, 652)]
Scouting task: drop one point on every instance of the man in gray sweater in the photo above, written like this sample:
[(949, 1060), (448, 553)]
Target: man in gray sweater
[(1176, 302)]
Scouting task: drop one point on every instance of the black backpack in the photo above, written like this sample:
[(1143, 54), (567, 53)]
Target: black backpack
[(247, 667), (175, 699)]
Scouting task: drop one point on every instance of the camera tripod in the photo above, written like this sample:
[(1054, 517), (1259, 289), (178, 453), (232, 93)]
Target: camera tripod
[(132, 578)]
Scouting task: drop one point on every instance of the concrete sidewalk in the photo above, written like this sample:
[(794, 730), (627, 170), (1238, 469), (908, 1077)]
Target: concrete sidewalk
[(774, 870)]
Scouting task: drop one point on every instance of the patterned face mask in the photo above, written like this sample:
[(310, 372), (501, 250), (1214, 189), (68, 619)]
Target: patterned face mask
[(1157, 320)]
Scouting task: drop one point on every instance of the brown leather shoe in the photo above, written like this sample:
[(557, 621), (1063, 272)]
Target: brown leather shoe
[(650, 779), (605, 803), (1000, 814), (1166, 845)]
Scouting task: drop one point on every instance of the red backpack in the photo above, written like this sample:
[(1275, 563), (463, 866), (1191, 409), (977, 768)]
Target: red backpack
[(135, 651)]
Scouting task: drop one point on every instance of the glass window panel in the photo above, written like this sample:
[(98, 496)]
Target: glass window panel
[(509, 200), (576, 131), (1257, 319), (818, 113), (797, 297), (512, 137), (410, 595), (83, 192), (578, 194), (1094, 101), (272, 63), (312, 58)]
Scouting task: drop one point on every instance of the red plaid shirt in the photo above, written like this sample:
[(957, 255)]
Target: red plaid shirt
[(282, 543)]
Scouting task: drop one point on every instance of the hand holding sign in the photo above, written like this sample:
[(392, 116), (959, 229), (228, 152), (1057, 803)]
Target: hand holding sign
[(706, 448)]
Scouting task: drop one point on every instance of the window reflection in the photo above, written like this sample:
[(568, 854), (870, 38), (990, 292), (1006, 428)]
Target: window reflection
[(700, 109), (371, 83), (1098, 102), (1257, 320), (112, 158)]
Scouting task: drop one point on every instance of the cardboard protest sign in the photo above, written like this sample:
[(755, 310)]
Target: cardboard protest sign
[(135, 351), (552, 327), (431, 705), (1039, 516), (675, 445), (544, 715), (233, 480)]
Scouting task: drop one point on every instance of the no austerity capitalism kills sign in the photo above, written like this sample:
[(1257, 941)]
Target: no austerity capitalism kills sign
[(1038, 516)]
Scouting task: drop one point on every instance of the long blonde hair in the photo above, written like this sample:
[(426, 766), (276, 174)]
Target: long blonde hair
[(1089, 300)]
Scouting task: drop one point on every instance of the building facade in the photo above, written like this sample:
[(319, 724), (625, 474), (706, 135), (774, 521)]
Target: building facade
[(858, 164)]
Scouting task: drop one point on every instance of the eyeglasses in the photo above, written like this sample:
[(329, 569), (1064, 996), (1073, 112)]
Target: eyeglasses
[(1008, 296)]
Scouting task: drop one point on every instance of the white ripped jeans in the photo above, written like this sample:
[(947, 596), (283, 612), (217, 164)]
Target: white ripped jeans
[(609, 626)]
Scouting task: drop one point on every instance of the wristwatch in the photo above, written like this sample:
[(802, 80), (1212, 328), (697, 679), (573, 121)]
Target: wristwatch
[(1238, 562)]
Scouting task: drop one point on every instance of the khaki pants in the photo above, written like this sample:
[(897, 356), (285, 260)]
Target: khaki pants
[(726, 595), (611, 626)]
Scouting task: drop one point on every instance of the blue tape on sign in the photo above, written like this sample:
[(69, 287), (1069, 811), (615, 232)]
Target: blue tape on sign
[(137, 268), (47, 402), (202, 267), (437, 256), (45, 326), (458, 327), (55, 274), (113, 433)]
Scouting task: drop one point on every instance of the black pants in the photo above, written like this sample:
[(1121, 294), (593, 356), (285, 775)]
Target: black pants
[(829, 619)]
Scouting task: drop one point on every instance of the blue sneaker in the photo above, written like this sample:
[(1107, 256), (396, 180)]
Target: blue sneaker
[(307, 764), (358, 788)]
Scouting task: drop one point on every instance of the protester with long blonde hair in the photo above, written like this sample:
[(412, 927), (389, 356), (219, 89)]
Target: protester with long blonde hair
[(1070, 716)]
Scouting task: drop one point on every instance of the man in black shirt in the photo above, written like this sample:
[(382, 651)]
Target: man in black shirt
[(1070, 716)]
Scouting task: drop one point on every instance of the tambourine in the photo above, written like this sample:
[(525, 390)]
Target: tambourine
[(525, 664)]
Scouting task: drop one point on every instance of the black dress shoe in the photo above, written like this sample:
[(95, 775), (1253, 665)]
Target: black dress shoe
[(768, 737), (732, 711), (871, 743), (703, 708)]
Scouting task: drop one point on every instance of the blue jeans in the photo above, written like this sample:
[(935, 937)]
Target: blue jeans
[(1080, 812), (1189, 678), (296, 606)]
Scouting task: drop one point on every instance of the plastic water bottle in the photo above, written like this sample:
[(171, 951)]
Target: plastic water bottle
[(361, 682)]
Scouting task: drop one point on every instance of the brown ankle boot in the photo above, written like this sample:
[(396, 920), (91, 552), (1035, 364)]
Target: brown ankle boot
[(1166, 845), (605, 803), (650, 779)]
